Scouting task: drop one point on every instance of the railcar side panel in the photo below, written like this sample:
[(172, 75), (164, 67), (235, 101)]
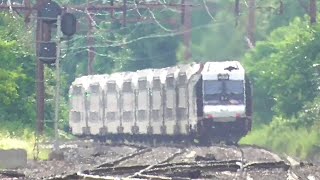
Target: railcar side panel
[(77, 112), (128, 112), (157, 108), (192, 102), (94, 98), (142, 113), (182, 106), (170, 110), (112, 114)]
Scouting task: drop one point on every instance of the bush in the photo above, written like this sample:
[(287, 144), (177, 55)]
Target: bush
[(14, 135), (283, 137)]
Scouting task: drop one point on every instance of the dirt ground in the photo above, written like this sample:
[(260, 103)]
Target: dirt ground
[(214, 162)]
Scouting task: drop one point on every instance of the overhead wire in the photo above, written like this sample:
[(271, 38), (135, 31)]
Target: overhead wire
[(153, 36), (158, 23), (207, 9), (168, 8), (105, 42), (150, 11)]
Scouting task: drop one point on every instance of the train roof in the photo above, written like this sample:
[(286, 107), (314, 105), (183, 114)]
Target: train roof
[(172, 71), (233, 68), (129, 75), (188, 69), (209, 70), (160, 74), (117, 77), (83, 81), (100, 79), (146, 74)]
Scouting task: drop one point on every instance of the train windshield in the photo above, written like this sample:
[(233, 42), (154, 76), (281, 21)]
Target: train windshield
[(223, 92), (234, 87), (211, 87)]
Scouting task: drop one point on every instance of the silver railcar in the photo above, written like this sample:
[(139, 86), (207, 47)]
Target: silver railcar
[(206, 101)]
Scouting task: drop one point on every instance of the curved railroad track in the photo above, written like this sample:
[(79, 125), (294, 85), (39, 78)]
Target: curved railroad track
[(193, 162)]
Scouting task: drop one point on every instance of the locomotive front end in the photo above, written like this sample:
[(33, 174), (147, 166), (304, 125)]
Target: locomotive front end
[(224, 104)]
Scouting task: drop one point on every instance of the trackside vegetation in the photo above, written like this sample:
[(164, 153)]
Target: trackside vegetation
[(286, 82)]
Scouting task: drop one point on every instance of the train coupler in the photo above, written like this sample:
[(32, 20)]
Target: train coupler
[(150, 130), (135, 130)]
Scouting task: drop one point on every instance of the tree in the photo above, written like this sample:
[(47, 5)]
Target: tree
[(17, 83), (282, 70)]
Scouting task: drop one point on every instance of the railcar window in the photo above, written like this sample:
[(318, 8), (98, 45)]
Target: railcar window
[(182, 79), (94, 88), (75, 116), (182, 114), (127, 87), (156, 84), (76, 90), (142, 84), (169, 113), (111, 87), (141, 115), (170, 82), (94, 116), (156, 115), (127, 116), (111, 116)]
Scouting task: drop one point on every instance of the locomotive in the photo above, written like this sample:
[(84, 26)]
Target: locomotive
[(209, 101)]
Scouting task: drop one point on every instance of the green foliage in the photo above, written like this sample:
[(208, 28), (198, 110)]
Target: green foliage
[(282, 71), (285, 86), (16, 72), (282, 137), (15, 135), (309, 116)]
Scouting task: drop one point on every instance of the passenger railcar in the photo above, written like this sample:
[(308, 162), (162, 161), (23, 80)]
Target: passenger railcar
[(210, 101)]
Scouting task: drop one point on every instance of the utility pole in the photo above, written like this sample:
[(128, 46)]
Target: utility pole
[(251, 27), (42, 34), (237, 11), (313, 12), (187, 26), (57, 92), (91, 41)]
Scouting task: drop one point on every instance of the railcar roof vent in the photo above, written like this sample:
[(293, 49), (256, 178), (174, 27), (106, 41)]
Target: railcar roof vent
[(230, 68)]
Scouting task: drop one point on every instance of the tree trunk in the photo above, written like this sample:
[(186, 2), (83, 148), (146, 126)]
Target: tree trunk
[(313, 11), (251, 23)]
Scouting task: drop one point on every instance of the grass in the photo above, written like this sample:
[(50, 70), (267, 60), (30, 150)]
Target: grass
[(278, 136), (18, 136), (298, 142)]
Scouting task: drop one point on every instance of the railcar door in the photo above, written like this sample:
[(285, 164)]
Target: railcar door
[(170, 105), (157, 107), (182, 126), (128, 107), (112, 104), (77, 112), (94, 97), (143, 106)]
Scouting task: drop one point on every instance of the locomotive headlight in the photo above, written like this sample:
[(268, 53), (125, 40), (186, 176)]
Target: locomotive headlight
[(210, 116)]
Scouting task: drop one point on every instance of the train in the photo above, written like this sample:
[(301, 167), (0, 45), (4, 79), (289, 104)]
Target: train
[(202, 102)]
